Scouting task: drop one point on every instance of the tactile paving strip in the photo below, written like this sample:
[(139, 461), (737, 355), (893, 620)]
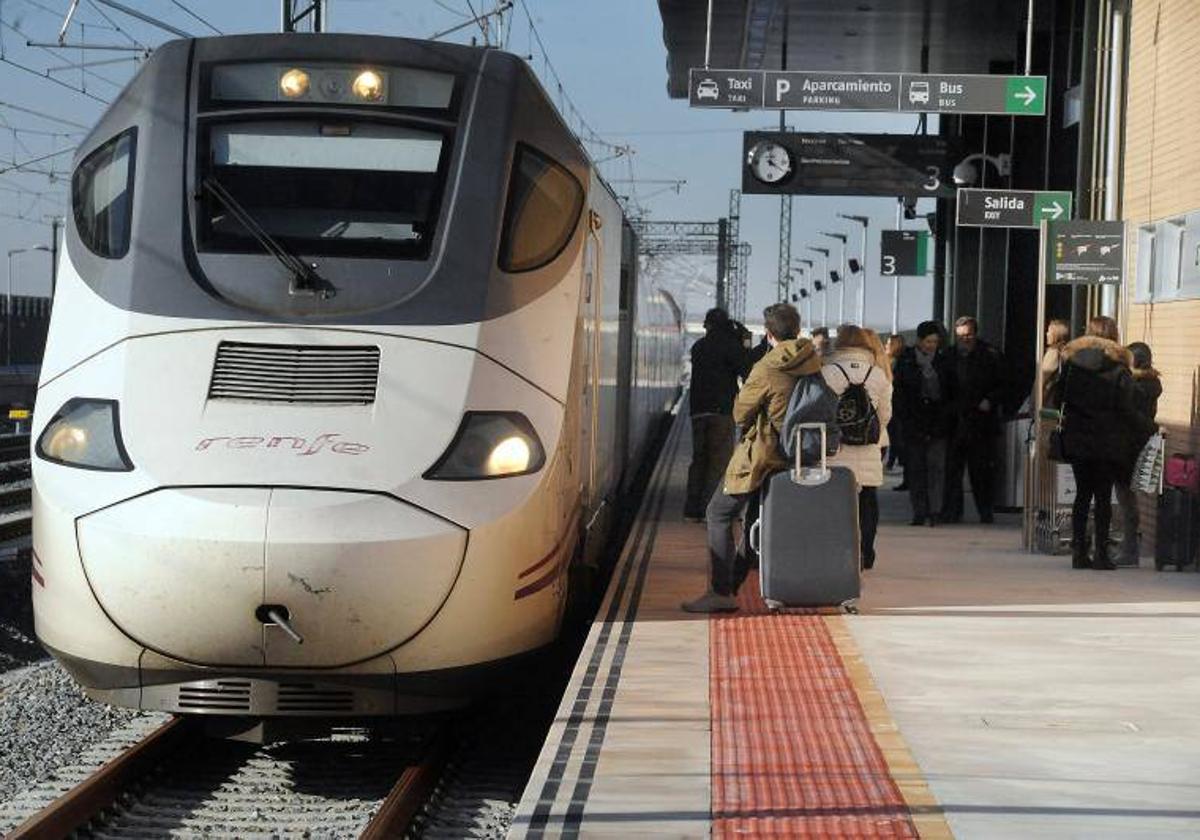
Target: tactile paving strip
[(792, 750)]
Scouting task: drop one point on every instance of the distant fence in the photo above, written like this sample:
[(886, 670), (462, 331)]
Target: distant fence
[(28, 321)]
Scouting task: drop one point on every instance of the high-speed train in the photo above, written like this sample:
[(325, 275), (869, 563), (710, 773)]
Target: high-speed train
[(347, 365)]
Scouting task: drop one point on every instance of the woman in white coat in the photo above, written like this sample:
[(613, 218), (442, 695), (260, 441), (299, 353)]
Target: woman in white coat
[(854, 361)]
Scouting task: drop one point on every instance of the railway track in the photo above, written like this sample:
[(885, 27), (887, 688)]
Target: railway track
[(15, 489), (14, 448), (177, 782)]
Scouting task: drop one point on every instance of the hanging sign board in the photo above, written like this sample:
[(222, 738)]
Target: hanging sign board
[(809, 163), (903, 253), (814, 90)]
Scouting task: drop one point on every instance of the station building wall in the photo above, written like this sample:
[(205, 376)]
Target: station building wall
[(1161, 202)]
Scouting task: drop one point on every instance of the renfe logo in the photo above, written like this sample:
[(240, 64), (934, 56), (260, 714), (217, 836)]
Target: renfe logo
[(294, 444)]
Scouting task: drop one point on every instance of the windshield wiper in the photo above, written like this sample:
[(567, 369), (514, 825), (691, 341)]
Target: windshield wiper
[(305, 279)]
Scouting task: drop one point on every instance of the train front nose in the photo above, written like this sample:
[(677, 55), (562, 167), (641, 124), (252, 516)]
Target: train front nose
[(356, 574)]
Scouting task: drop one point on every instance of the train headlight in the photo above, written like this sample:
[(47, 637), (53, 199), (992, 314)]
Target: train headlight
[(368, 85), (294, 83), (490, 444), (85, 433)]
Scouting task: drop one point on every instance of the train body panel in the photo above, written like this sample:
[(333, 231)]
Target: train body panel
[(369, 479)]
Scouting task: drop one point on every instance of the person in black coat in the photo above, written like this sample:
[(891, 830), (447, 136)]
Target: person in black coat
[(1147, 388), (718, 360), (980, 379), (1095, 394), (924, 389)]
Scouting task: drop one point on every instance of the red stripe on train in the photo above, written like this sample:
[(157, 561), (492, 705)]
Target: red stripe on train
[(539, 584), (554, 551)]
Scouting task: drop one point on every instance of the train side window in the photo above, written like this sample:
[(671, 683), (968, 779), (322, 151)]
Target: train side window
[(544, 204), (102, 196)]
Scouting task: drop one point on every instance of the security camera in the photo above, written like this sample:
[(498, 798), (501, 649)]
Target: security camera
[(965, 173)]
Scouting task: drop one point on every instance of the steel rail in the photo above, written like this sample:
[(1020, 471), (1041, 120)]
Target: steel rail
[(99, 791), (13, 447), (18, 527), (411, 791)]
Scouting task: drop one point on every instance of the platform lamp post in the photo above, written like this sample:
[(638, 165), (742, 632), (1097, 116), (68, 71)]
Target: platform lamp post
[(806, 268), (862, 266), (824, 252), (8, 301), (842, 271)]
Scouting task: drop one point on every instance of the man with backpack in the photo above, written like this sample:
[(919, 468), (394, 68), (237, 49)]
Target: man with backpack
[(864, 392), (759, 412)]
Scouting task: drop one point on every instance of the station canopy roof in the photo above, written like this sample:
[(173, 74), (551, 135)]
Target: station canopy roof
[(963, 36)]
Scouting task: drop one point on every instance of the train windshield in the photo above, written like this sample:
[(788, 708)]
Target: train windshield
[(347, 188)]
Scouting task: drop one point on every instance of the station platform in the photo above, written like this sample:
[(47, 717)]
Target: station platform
[(980, 692)]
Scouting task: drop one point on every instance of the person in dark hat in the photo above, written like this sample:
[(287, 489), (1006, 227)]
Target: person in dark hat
[(718, 360), (924, 387)]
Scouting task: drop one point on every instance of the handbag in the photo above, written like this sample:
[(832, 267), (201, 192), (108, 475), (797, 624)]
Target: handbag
[(1183, 473), (1148, 467), (1056, 448), (1056, 445)]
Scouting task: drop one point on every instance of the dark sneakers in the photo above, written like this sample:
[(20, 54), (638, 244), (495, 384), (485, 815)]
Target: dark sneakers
[(711, 602)]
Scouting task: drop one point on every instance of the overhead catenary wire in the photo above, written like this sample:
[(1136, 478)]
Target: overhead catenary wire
[(145, 18), (450, 8), (481, 21), (6, 60), (4, 24), (96, 8), (186, 10), (17, 166), (586, 132), (42, 115)]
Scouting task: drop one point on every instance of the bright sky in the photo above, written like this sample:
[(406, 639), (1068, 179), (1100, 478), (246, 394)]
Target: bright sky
[(611, 61)]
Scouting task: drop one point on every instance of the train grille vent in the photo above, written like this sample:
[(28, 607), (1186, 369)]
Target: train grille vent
[(216, 695), (288, 373), (307, 697)]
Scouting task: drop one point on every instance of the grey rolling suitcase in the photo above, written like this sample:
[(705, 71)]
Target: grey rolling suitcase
[(807, 535)]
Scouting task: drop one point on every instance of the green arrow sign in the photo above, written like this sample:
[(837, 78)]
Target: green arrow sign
[(1051, 206), (1025, 95)]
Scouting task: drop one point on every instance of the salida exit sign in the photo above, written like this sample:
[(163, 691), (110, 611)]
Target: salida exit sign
[(1011, 208)]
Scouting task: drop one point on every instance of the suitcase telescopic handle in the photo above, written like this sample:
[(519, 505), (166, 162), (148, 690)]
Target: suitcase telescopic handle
[(821, 475)]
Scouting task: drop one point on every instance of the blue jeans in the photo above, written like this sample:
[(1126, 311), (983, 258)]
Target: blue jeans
[(728, 566)]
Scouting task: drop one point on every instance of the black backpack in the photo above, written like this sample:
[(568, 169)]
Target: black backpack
[(856, 414), (812, 401)]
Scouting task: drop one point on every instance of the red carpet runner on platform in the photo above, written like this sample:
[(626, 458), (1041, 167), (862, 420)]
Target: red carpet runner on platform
[(792, 750)]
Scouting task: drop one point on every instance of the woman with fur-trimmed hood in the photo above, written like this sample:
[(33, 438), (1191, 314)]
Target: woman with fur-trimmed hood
[(1096, 396)]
